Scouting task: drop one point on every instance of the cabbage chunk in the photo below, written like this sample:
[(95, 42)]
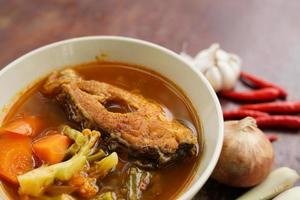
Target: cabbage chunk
[(36, 181)]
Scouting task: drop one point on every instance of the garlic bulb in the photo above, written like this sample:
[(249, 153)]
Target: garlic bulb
[(221, 69)]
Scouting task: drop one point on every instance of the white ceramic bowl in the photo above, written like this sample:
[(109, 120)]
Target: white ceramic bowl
[(19, 74)]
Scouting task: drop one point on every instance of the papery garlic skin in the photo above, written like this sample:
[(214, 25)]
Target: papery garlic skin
[(222, 69)]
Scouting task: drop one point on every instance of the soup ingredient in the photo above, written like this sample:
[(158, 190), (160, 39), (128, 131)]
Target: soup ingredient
[(279, 121), (164, 185), (84, 185), (15, 156), (144, 128), (85, 181), (51, 148), (282, 107), (247, 154), (254, 81), (55, 190), (29, 126), (97, 156), (36, 181), (240, 114), (59, 197), (92, 139), (80, 138), (260, 95), (222, 69), (272, 137), (278, 181), (106, 196), (290, 194), (77, 136), (74, 171), (67, 197), (138, 181), (101, 168), (56, 79), (3, 193)]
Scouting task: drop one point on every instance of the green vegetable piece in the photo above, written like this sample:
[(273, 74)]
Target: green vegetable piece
[(137, 182), (65, 170), (101, 168), (84, 141), (36, 181), (75, 135), (66, 197), (105, 196), (60, 197), (132, 188), (93, 137), (97, 156)]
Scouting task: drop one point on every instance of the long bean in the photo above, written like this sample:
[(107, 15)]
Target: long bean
[(101, 168), (137, 182), (96, 156)]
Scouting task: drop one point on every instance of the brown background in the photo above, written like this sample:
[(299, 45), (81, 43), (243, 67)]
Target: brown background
[(265, 33)]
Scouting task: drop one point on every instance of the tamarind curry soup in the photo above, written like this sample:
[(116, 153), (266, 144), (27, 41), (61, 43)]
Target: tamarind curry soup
[(99, 130)]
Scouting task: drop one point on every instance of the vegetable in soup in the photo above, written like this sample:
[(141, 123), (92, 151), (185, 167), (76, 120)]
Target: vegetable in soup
[(99, 131)]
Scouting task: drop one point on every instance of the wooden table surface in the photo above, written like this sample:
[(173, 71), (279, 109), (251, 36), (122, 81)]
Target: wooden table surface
[(266, 34)]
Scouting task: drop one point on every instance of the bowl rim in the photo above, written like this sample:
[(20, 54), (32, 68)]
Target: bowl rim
[(190, 191)]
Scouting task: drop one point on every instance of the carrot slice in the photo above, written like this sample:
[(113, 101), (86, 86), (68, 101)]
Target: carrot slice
[(51, 148), (15, 156), (29, 126)]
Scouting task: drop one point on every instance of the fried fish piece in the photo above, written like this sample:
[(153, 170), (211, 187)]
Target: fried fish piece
[(144, 130)]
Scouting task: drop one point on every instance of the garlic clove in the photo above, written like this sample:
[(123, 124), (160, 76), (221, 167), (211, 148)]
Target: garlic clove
[(213, 48), (229, 77), (208, 53), (214, 77), (205, 56), (222, 55), (228, 64), (204, 64), (236, 67), (236, 59), (291, 194)]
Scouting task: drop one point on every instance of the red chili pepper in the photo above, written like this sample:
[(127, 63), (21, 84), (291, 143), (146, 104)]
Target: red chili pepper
[(272, 137), (284, 107), (279, 121), (260, 95), (257, 82), (240, 114)]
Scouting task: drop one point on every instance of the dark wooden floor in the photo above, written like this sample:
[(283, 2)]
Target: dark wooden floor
[(266, 34)]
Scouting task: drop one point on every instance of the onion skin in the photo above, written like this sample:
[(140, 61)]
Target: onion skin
[(247, 155)]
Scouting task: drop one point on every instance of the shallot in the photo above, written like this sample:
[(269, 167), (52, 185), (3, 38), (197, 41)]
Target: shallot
[(247, 155)]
